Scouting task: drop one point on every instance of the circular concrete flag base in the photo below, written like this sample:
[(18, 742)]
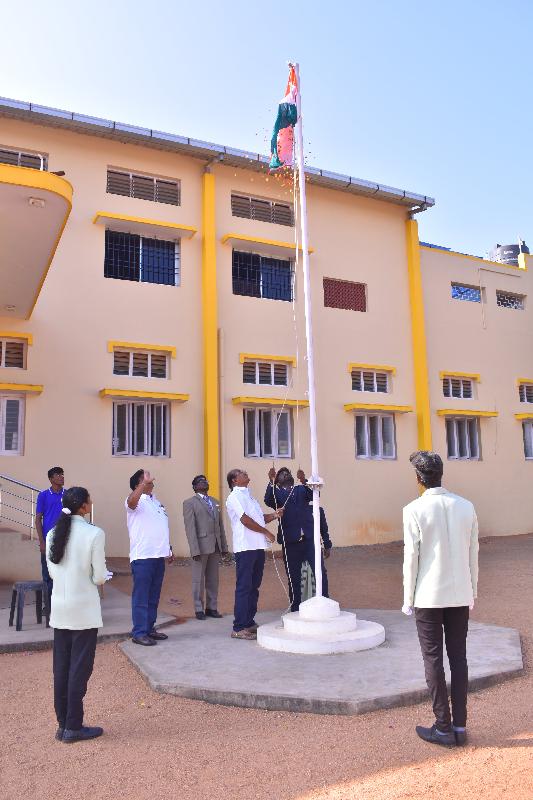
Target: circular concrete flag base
[(320, 628)]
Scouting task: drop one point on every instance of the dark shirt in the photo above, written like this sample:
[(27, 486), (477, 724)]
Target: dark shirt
[(297, 520)]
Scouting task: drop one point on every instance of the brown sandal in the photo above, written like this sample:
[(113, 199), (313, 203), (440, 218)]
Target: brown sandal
[(244, 634)]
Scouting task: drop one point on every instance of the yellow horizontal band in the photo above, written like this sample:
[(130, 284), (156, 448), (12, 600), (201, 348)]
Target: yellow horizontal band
[(27, 388), (239, 237), (259, 357), (519, 381), (268, 401), (180, 398), (377, 407), (377, 367), (17, 335), (36, 179), (484, 261), (165, 348), (464, 412), (474, 376), (103, 216), (524, 416)]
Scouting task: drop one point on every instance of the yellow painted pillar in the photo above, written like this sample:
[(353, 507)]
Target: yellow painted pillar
[(418, 332), (210, 335)]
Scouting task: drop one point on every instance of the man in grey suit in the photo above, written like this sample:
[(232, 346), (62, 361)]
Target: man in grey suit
[(207, 541)]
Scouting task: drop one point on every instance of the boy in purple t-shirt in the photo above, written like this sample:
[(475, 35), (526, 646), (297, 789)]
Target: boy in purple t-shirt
[(47, 513)]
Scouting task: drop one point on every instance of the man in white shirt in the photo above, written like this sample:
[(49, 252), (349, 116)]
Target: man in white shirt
[(149, 547), (250, 540), (440, 572)]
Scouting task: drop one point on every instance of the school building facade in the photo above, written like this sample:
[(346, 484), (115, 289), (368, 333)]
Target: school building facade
[(151, 315)]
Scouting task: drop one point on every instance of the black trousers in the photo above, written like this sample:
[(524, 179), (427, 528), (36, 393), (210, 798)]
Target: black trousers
[(294, 555), (430, 623), (73, 664)]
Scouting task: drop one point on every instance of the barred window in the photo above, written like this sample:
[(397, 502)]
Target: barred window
[(266, 373), (130, 257), (462, 437), (261, 209), (344, 294), (267, 433), (19, 158), (525, 392), (141, 429), (457, 387), (144, 187), (145, 364), (13, 353), (254, 275), (509, 300), (369, 381), (375, 436), (463, 292), (11, 425), (527, 431)]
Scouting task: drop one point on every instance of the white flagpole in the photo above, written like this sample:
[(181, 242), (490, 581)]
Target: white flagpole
[(315, 481)]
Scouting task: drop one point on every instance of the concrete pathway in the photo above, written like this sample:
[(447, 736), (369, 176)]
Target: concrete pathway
[(116, 615), (201, 661)]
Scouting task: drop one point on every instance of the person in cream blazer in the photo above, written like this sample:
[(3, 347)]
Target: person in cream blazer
[(440, 575)]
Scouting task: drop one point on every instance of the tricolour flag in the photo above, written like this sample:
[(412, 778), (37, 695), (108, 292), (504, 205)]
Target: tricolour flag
[(281, 146)]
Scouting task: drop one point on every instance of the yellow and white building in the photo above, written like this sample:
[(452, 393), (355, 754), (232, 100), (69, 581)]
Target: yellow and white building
[(151, 315)]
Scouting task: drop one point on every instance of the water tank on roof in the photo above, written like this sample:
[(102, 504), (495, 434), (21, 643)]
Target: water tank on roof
[(508, 253)]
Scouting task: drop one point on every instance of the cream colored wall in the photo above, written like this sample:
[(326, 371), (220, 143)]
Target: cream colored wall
[(77, 313), (497, 343)]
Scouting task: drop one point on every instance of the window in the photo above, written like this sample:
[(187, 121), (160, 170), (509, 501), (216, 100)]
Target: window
[(462, 292), (140, 364), (525, 392), (144, 187), (369, 381), (13, 353), (527, 430), (262, 210), (462, 436), (509, 300), (254, 275), (458, 387), (344, 294), (11, 421), (267, 433), (265, 373), (130, 257), (141, 429), (18, 158), (375, 436)]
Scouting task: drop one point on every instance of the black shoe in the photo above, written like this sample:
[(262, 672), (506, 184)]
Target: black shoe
[(200, 615), (210, 613), (81, 735), (145, 640), (59, 734), (431, 735), (460, 738), (157, 635)]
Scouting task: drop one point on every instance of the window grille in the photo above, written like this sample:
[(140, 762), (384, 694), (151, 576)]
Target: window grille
[(254, 275), (344, 294), (508, 300), (12, 353), (369, 381), (375, 436), (527, 430), (18, 158), (141, 429), (525, 392), (267, 433), (144, 187), (140, 364), (266, 373), (262, 210), (11, 422), (462, 437), (130, 257), (462, 292), (458, 387)]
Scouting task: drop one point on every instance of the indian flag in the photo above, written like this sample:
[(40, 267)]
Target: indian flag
[(281, 145)]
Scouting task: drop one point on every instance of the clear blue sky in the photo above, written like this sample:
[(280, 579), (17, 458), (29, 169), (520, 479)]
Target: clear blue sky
[(427, 96)]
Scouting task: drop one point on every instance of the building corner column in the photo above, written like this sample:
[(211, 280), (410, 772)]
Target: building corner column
[(210, 334), (418, 333)]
